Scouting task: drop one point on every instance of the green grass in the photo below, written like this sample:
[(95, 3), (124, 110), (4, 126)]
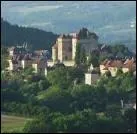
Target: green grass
[(12, 123)]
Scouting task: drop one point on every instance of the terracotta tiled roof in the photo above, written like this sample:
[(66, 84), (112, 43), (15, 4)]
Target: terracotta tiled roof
[(128, 63), (116, 63), (131, 64), (104, 62)]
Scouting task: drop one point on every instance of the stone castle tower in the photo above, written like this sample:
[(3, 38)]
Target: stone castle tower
[(65, 46)]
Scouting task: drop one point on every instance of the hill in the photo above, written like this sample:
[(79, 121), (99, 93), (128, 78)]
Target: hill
[(37, 39), (113, 22)]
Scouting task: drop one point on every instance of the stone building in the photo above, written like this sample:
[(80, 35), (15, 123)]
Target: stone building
[(16, 50), (88, 41), (65, 46), (15, 62), (129, 65), (40, 66), (62, 50), (92, 76), (26, 61)]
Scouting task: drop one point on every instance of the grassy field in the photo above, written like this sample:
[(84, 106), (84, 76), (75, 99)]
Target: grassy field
[(12, 123)]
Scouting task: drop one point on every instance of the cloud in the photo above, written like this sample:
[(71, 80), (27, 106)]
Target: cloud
[(41, 24), (38, 24), (132, 25), (28, 10)]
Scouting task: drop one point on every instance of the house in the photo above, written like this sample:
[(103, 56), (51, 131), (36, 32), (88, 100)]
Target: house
[(26, 61), (40, 65), (129, 65), (115, 64), (92, 76), (16, 50), (113, 67), (15, 62)]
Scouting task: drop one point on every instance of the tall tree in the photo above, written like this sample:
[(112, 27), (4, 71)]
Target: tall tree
[(77, 56), (94, 59), (83, 55)]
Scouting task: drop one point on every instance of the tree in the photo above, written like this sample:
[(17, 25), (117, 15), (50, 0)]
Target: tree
[(108, 73), (43, 84), (113, 111), (35, 126), (83, 56), (93, 59), (130, 118), (4, 58), (77, 55), (119, 71)]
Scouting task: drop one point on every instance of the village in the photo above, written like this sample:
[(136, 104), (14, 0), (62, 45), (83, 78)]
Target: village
[(63, 51), (68, 67)]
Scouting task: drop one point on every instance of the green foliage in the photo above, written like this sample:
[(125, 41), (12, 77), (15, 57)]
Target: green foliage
[(43, 84), (83, 56), (130, 119), (93, 59), (78, 54), (113, 111), (119, 72), (12, 124), (36, 38), (120, 50), (35, 126), (4, 58), (55, 79), (58, 104), (64, 77), (50, 93), (81, 121), (56, 99), (88, 97)]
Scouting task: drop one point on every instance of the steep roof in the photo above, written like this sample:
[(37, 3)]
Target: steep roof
[(65, 36), (128, 63)]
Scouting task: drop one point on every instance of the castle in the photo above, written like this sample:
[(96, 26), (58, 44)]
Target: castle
[(65, 47), (62, 51)]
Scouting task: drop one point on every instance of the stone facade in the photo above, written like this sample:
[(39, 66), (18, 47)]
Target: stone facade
[(65, 47), (26, 63)]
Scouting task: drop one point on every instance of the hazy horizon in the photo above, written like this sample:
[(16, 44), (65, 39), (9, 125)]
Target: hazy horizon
[(111, 20)]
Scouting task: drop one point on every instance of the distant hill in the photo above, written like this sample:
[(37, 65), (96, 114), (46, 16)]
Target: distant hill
[(37, 39)]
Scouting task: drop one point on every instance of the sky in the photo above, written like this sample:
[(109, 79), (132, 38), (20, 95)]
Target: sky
[(109, 19)]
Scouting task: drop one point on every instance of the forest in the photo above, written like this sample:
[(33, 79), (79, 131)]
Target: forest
[(61, 102), (12, 35)]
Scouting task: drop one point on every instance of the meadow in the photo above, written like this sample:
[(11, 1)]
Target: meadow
[(12, 123)]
